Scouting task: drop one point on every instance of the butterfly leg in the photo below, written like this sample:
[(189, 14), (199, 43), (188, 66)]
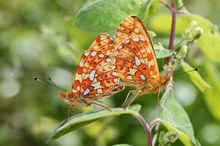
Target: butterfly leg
[(108, 105), (88, 103), (68, 112), (158, 98), (132, 95), (100, 105), (114, 89)]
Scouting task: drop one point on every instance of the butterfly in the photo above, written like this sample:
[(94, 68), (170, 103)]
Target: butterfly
[(135, 59), (94, 77)]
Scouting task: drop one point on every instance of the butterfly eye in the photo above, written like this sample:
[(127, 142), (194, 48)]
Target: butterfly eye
[(65, 97), (165, 81)]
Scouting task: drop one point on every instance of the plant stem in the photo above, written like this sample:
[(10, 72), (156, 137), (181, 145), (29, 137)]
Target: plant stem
[(173, 28), (153, 123), (146, 127)]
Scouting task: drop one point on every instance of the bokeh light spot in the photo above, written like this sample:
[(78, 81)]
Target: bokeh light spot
[(9, 88), (185, 92)]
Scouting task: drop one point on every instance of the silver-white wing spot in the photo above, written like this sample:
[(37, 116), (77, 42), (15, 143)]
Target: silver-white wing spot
[(143, 77), (120, 47), (127, 41), (101, 55), (93, 53), (114, 74), (136, 39), (86, 53), (116, 53), (108, 60), (137, 61), (86, 91), (92, 75)]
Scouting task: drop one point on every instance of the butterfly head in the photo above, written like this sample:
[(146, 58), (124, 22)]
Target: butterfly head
[(65, 96), (165, 80), (73, 100)]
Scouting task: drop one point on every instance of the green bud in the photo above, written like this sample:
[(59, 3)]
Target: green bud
[(193, 31), (182, 52), (196, 33), (172, 136), (169, 137), (190, 27)]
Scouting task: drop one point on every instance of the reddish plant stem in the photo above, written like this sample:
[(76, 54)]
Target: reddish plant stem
[(146, 128), (153, 123), (173, 28), (145, 125)]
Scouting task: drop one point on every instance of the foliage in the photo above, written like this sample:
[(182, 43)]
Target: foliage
[(42, 38)]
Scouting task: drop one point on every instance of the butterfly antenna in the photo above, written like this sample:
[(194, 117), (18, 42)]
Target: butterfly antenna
[(39, 80), (51, 83), (49, 78), (54, 84), (179, 73)]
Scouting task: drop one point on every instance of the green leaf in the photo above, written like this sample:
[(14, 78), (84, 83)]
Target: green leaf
[(212, 95), (77, 121), (198, 143), (121, 145), (156, 19), (168, 138), (173, 117), (195, 77), (105, 15), (161, 52), (209, 41)]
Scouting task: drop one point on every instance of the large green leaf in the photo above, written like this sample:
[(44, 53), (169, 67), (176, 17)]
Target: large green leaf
[(105, 15), (122, 145), (212, 95), (173, 117), (165, 27), (77, 121), (195, 77)]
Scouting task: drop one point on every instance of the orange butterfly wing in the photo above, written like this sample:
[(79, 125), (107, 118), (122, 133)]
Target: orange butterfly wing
[(94, 77), (135, 59)]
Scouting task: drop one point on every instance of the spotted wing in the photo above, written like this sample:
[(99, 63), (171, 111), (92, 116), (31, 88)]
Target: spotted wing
[(94, 76), (135, 59), (102, 43)]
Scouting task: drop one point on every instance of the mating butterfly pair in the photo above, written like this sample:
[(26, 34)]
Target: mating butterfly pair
[(106, 67)]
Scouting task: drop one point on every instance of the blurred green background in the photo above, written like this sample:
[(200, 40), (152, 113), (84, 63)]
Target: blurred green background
[(39, 38)]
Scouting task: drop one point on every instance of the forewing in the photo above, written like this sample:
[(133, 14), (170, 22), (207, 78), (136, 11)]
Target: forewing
[(102, 43), (134, 46), (94, 76), (131, 26)]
